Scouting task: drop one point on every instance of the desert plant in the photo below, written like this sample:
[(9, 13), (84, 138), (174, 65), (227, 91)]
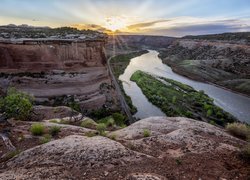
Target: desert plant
[(110, 122), (112, 136), (37, 129), (45, 139), (239, 130), (119, 118), (12, 154), (54, 130), (90, 134), (16, 104), (146, 133), (101, 128), (88, 123)]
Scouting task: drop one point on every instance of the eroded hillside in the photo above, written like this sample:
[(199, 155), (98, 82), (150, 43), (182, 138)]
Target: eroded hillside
[(225, 63)]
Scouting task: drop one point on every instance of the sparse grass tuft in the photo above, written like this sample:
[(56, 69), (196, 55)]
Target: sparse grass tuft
[(54, 130), (37, 129), (101, 128), (146, 133), (239, 130), (90, 134), (45, 139), (110, 122), (88, 123), (112, 136), (12, 154)]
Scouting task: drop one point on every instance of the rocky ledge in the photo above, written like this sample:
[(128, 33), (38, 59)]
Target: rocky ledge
[(153, 148)]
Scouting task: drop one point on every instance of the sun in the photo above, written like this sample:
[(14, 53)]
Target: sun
[(115, 23)]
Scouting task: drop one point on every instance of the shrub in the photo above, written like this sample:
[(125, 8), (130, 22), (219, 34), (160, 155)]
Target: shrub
[(209, 112), (88, 123), (119, 118), (37, 129), (90, 134), (146, 133), (212, 122), (110, 122), (113, 136), (239, 130), (54, 130), (12, 154), (16, 104), (101, 128), (45, 139)]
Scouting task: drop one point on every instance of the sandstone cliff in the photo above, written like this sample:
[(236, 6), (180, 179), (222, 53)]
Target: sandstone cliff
[(175, 148), (54, 71), (44, 55)]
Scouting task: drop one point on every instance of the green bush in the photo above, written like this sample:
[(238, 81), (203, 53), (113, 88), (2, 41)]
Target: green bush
[(101, 128), (37, 129), (54, 130), (90, 134), (110, 122), (88, 123), (45, 139), (146, 133), (112, 136), (119, 119), (209, 112), (239, 130), (16, 104)]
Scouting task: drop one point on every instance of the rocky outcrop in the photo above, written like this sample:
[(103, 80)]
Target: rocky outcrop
[(176, 148)]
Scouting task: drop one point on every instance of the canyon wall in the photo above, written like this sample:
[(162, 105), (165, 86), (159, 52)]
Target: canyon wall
[(225, 63), (36, 56), (59, 72)]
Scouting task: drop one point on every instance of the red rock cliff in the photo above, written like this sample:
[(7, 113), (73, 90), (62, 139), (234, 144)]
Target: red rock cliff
[(36, 56)]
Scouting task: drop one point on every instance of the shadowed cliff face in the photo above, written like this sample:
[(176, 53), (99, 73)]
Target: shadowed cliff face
[(42, 56)]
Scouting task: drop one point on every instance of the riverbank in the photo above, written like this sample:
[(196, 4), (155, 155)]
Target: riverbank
[(233, 103), (177, 99), (184, 72), (223, 64), (118, 64)]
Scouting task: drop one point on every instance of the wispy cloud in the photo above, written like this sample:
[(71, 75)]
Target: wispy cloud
[(140, 26)]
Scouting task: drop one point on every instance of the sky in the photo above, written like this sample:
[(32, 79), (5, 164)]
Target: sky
[(150, 17)]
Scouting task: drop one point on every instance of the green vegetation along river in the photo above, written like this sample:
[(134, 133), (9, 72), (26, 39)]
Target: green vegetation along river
[(177, 99), (230, 102)]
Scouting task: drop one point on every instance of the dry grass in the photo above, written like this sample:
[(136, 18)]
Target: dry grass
[(239, 130)]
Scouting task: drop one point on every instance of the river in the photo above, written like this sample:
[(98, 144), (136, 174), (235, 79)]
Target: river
[(236, 104)]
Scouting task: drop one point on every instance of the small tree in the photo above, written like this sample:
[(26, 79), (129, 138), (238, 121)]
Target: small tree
[(16, 104)]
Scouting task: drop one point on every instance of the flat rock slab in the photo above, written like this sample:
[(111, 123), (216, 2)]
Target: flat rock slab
[(71, 152)]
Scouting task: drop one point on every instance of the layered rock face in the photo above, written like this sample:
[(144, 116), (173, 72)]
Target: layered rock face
[(37, 56), (54, 71), (222, 62), (175, 148)]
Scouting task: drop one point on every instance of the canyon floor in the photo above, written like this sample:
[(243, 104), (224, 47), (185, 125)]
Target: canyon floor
[(152, 148)]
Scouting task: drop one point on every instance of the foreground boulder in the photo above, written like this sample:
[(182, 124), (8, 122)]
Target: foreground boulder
[(153, 148)]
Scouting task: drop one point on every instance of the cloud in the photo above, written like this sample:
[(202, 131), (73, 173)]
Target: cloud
[(145, 25), (179, 26), (215, 27)]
